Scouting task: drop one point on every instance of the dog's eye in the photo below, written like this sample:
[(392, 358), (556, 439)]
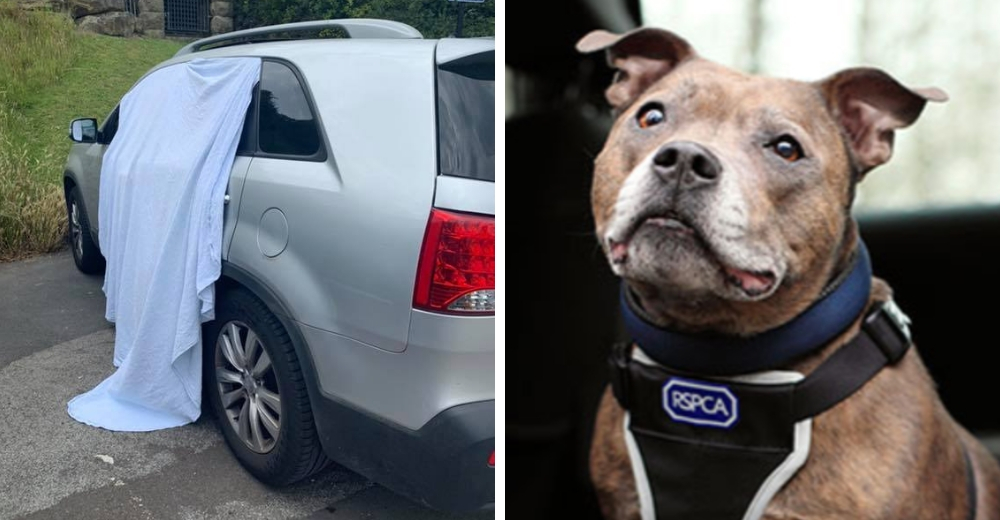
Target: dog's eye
[(649, 115), (787, 148)]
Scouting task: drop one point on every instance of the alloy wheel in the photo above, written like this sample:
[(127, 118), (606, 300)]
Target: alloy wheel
[(75, 229), (248, 386)]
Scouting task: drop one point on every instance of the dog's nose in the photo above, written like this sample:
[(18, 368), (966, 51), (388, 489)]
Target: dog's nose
[(692, 162)]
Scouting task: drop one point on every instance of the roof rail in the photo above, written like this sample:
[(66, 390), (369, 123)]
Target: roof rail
[(355, 27)]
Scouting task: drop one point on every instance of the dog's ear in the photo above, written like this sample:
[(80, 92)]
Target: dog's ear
[(870, 105), (641, 56)]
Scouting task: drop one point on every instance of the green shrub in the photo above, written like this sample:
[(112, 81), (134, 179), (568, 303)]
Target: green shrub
[(50, 74), (32, 213), (37, 49)]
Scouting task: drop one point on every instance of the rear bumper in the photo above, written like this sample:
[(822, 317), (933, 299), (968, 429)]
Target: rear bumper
[(443, 464)]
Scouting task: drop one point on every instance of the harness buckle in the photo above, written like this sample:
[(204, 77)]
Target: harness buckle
[(889, 327)]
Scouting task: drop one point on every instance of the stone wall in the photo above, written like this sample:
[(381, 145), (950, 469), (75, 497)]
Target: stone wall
[(222, 16), (116, 18), (151, 18)]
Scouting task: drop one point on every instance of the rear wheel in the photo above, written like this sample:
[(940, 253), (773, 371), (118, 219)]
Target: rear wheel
[(257, 391), (86, 255)]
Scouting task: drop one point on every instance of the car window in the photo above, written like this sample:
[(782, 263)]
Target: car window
[(110, 127), (466, 93), (286, 123)]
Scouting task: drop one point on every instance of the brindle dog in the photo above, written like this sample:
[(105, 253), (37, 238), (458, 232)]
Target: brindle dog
[(723, 200)]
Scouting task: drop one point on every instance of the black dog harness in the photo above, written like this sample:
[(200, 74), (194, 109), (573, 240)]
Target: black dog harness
[(720, 447)]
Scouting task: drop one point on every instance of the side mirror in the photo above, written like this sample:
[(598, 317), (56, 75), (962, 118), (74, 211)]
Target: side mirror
[(83, 130)]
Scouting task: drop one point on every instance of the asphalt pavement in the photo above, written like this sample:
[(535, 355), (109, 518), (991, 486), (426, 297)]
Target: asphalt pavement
[(45, 301), (54, 345)]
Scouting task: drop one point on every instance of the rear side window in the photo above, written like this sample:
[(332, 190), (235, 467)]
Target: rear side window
[(466, 132), (110, 127), (286, 124)]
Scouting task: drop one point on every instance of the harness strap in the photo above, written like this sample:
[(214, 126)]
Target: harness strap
[(883, 340)]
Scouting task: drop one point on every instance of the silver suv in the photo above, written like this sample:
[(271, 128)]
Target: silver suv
[(354, 316)]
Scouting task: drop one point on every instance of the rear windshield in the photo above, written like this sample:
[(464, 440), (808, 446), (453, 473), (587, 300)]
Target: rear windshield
[(465, 117)]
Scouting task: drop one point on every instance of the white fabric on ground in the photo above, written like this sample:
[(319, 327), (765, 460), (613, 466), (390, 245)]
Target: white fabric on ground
[(163, 182)]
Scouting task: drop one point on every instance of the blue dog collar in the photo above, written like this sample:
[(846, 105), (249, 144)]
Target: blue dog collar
[(711, 354)]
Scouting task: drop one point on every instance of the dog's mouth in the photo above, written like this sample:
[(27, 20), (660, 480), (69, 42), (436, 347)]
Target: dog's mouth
[(752, 283), (669, 222)]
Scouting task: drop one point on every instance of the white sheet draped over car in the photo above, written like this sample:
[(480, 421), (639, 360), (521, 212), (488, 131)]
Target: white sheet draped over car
[(163, 181)]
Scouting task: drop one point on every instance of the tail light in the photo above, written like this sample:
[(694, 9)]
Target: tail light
[(492, 462), (456, 270)]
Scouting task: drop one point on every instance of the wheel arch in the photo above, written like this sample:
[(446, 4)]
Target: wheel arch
[(234, 276), (69, 181)]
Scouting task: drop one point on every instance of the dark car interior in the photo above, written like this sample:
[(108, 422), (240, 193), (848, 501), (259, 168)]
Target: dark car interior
[(939, 263)]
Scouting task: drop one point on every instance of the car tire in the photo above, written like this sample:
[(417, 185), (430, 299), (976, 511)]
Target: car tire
[(262, 406), (86, 255)]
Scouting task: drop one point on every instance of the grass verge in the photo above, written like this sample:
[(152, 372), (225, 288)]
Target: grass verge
[(50, 74)]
